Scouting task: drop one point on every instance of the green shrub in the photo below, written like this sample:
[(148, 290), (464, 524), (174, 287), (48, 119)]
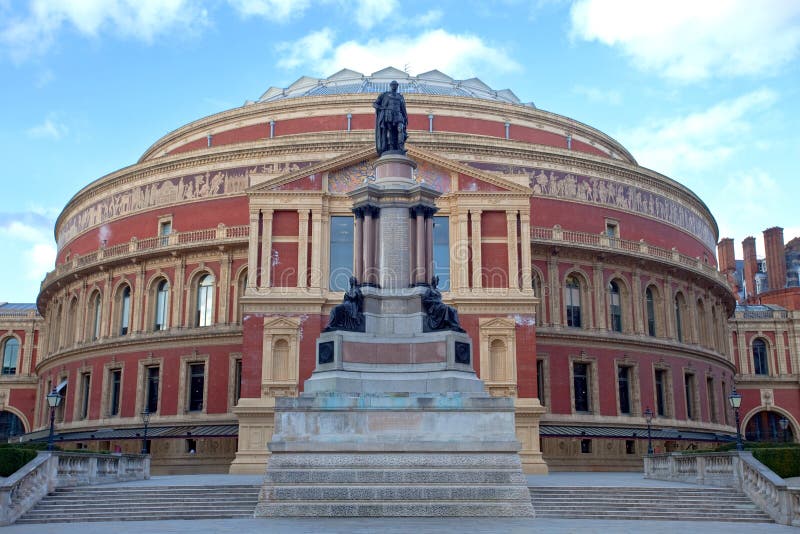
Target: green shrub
[(784, 461), (33, 445), (12, 458)]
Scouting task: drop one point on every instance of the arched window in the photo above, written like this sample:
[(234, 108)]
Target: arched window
[(205, 300), (162, 306), (280, 360), (536, 284), (10, 356), (242, 288), (72, 315), (760, 359), (125, 311), (97, 309), (615, 306), (572, 301), (702, 323), (651, 312)]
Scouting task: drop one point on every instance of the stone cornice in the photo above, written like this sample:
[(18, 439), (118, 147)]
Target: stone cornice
[(187, 338), (603, 339)]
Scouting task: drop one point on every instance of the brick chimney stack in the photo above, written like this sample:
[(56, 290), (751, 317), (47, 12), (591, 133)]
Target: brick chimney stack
[(776, 257), (750, 265), (727, 262)]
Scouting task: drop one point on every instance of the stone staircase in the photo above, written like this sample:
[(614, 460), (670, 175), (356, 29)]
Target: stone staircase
[(144, 503), (153, 503), (650, 503)]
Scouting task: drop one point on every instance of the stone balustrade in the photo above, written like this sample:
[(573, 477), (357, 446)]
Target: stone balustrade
[(22, 490), (557, 235), (731, 469)]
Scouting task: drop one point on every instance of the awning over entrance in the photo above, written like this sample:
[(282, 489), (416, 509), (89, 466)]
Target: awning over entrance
[(558, 431), (154, 432)]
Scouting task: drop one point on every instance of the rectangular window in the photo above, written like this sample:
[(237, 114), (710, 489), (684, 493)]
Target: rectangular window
[(630, 446), (341, 264), (115, 392), (616, 312), (62, 390), (661, 381), (689, 387), (151, 402), (164, 229), (572, 297), (196, 386), (586, 446), (540, 380), (712, 399), (612, 228), (580, 377), (86, 381), (623, 383), (191, 446), (441, 251), (237, 380)]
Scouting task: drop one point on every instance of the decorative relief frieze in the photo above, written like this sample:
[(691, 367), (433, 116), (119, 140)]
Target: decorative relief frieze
[(610, 193)]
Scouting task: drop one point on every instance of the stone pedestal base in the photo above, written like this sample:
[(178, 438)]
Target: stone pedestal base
[(256, 424), (393, 455)]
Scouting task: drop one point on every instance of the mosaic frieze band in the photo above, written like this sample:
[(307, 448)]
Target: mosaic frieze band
[(170, 191), (562, 185)]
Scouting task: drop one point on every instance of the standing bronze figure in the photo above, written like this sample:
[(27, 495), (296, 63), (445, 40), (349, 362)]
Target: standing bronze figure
[(391, 121)]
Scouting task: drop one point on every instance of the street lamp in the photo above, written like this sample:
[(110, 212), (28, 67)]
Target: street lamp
[(53, 400), (146, 419), (735, 399), (648, 416), (784, 425)]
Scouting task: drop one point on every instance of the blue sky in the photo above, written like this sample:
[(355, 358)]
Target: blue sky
[(704, 92)]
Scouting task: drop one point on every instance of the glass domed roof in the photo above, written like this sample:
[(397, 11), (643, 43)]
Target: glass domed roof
[(348, 82)]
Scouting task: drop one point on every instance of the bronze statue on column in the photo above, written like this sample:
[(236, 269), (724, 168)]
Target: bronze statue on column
[(391, 122)]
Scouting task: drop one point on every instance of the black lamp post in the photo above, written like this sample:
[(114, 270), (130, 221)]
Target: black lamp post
[(146, 419), (648, 416), (735, 399), (53, 400), (784, 425)]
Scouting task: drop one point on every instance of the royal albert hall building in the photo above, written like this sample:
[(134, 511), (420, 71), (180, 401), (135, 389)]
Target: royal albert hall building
[(194, 283)]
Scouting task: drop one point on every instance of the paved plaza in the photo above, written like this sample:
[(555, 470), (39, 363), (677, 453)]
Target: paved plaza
[(405, 525)]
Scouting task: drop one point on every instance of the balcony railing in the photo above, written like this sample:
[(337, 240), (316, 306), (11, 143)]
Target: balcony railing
[(205, 237), (558, 236)]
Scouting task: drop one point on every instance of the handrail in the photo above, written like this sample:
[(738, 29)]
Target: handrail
[(49, 470), (206, 236), (730, 469), (557, 235)]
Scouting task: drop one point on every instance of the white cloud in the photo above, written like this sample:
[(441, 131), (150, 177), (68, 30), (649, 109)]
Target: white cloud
[(751, 192), (49, 129), (430, 17), (699, 140), (275, 10), (687, 40), (458, 55), (29, 237), (594, 94), (37, 30), (369, 13)]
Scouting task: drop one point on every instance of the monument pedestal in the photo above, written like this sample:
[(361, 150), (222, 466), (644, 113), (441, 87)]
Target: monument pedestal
[(362, 455), (394, 421)]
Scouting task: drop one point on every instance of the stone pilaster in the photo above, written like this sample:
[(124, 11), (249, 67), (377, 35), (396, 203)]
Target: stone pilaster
[(302, 248), (513, 247), (252, 250), (477, 261), (266, 248)]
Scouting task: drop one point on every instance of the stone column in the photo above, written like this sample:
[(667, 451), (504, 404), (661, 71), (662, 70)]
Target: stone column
[(27, 349), (429, 246), (459, 257), (412, 245), (105, 315), (138, 312), (638, 300), (316, 248), (252, 250), (177, 293), (420, 252), (477, 262), (554, 281), (225, 262), (601, 295), (266, 248), (513, 246), (302, 248), (525, 250), (369, 244)]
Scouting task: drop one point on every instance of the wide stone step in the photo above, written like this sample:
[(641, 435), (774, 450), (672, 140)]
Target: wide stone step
[(657, 517), (155, 498), (394, 476), (393, 509), (138, 516), (396, 493)]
